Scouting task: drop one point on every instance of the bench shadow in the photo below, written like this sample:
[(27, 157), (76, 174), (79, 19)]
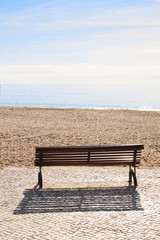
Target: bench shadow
[(79, 200)]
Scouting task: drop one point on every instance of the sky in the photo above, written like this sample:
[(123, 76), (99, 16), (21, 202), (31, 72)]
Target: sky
[(80, 41)]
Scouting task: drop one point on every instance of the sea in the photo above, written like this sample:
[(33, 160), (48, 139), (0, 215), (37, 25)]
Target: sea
[(93, 96)]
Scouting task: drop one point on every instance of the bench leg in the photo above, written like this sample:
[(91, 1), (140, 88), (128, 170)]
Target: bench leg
[(134, 178), (132, 174), (40, 181)]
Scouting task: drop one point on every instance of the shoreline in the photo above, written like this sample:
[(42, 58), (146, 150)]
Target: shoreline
[(24, 128), (71, 108)]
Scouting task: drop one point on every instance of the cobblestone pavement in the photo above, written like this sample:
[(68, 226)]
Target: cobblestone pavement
[(79, 203)]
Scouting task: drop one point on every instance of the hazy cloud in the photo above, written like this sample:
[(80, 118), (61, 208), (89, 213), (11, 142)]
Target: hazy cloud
[(76, 41)]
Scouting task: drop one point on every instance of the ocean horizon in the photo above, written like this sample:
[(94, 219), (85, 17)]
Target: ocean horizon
[(95, 96)]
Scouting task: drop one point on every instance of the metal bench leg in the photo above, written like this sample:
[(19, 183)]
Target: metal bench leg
[(40, 181), (132, 174), (134, 178)]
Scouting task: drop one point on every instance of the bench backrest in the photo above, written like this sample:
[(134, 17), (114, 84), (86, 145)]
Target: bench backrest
[(88, 155)]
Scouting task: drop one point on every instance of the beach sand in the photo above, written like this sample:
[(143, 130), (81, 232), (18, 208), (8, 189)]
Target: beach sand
[(22, 129)]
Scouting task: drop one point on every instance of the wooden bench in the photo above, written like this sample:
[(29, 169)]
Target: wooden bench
[(90, 156)]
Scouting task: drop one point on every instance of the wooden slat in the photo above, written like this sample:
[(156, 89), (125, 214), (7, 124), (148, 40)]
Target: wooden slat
[(84, 158), (91, 154), (63, 153), (113, 156), (85, 152), (116, 158), (84, 164), (89, 148), (65, 157), (69, 157), (114, 151), (85, 161), (64, 160), (121, 161), (63, 163)]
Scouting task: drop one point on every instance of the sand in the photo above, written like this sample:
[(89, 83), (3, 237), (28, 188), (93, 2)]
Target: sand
[(22, 129)]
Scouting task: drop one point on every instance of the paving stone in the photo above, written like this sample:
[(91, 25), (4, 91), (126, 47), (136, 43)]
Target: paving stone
[(79, 203)]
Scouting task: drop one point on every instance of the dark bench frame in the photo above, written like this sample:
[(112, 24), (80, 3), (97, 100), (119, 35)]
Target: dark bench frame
[(91, 156)]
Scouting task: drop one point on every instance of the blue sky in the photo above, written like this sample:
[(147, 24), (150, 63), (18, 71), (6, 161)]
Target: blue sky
[(87, 41)]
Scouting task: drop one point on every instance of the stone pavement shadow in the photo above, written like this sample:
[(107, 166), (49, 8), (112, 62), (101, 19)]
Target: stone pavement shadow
[(50, 200)]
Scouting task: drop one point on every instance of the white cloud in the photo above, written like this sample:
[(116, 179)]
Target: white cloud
[(116, 45), (78, 73), (154, 50)]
